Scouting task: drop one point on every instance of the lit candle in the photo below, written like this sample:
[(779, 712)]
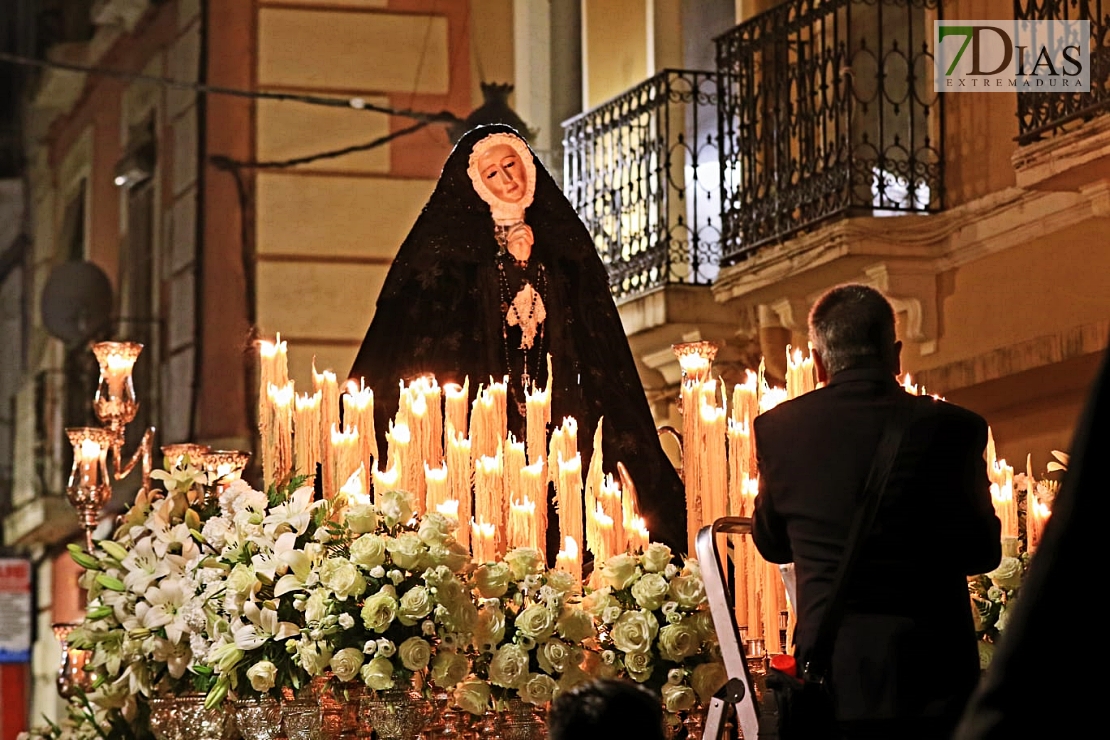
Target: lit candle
[(609, 500), (522, 520), (450, 509), (306, 432), (533, 483), (326, 385), (595, 477), (484, 536), (513, 464), (456, 404), (690, 398), (568, 560), (386, 481), (489, 491), (436, 482), (713, 467), (353, 489), (538, 416), (638, 536), (89, 454), (358, 413), (278, 444), (459, 481), (273, 364), (344, 457), (569, 498)]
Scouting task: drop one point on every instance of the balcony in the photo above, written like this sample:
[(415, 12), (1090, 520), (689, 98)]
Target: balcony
[(642, 171), (1042, 115), (827, 110)]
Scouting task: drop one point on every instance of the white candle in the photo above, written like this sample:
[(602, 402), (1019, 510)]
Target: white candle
[(568, 560), (456, 405), (306, 432), (344, 456), (436, 482), (358, 413)]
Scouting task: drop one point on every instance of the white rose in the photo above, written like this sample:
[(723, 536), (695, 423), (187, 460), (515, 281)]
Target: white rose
[(415, 653), (678, 698), (378, 674), (492, 579), (262, 675), (509, 667), (524, 561), (362, 518), (538, 689), (449, 668), (342, 577), (415, 605), (434, 529), (536, 622), (620, 571), (368, 551), (650, 591), (406, 551), (316, 606), (472, 695), (635, 631), (656, 557), (396, 508), (346, 663)]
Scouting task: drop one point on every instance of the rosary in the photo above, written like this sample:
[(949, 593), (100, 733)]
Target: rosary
[(526, 310)]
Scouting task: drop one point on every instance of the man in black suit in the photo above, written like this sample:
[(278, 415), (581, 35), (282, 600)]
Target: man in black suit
[(904, 660)]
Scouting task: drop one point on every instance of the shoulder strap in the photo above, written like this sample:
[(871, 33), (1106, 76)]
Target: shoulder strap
[(881, 465)]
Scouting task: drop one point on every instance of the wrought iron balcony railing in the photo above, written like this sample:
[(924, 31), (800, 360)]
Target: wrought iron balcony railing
[(1042, 114), (827, 109), (642, 170)]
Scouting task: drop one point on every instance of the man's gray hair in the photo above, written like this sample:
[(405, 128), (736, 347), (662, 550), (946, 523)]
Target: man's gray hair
[(852, 325)]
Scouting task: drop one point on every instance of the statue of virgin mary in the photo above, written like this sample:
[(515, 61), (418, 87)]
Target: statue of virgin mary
[(498, 272)]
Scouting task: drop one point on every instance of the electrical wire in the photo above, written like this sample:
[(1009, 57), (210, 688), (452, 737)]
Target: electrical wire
[(355, 103), (227, 163)]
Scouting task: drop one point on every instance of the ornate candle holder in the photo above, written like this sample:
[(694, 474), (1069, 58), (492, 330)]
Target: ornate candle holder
[(695, 359), (115, 405), (175, 453), (224, 467), (72, 676), (89, 486)]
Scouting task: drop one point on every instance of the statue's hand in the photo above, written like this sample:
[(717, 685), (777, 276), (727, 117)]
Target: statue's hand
[(520, 241)]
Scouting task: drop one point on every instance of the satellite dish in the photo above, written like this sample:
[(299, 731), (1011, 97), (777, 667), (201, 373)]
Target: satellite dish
[(76, 302)]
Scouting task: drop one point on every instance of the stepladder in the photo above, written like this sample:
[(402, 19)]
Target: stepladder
[(738, 693)]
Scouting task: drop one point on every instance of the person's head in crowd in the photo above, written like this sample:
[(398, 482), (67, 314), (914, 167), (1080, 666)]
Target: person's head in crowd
[(604, 709), (852, 326)]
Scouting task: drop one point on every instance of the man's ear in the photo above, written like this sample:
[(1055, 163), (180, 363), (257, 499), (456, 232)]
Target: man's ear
[(819, 364)]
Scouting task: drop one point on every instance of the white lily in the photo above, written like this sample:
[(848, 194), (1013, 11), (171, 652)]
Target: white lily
[(170, 596), (295, 514), (263, 625), (273, 558)]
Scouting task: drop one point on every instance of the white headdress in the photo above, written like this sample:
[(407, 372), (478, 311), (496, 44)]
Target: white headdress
[(503, 212)]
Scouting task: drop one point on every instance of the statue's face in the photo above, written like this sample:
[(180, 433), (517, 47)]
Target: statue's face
[(503, 173)]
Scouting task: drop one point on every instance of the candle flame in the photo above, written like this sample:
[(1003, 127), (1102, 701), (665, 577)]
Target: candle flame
[(90, 450), (348, 437), (436, 474), (282, 396), (570, 549), (354, 487)]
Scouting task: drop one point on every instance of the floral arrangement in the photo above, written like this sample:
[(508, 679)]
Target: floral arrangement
[(253, 594), (994, 594)]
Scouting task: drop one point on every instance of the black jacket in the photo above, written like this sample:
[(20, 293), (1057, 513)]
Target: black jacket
[(906, 646)]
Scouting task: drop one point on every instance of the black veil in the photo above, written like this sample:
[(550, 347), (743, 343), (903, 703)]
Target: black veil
[(439, 312)]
